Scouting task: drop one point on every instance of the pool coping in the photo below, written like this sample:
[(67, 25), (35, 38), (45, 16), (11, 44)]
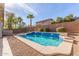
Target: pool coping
[(64, 48)]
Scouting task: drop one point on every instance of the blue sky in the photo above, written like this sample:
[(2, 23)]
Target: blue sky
[(42, 11)]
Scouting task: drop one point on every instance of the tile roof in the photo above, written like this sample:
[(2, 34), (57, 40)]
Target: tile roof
[(49, 19)]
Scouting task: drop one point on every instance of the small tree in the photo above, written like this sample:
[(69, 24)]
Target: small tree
[(59, 19), (53, 22), (69, 18)]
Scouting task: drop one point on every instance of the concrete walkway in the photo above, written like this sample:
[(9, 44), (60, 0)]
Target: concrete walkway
[(19, 48), (6, 48), (10, 46)]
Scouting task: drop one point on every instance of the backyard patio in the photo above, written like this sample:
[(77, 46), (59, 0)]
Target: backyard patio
[(19, 48), (15, 22)]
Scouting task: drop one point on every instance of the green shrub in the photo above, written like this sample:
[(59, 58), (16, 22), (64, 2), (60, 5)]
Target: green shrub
[(60, 29), (53, 22), (42, 30), (45, 30)]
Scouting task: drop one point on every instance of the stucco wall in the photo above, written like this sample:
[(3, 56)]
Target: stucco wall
[(70, 26)]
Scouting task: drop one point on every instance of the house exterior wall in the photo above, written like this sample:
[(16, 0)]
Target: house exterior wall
[(70, 26), (45, 22)]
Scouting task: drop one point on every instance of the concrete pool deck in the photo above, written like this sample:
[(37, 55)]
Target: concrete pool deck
[(63, 49), (19, 48)]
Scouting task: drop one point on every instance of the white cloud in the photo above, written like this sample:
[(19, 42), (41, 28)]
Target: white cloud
[(28, 8), (24, 7)]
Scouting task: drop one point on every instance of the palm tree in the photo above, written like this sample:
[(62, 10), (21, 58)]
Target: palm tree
[(23, 24), (30, 16), (20, 21), (10, 21), (10, 17), (15, 21)]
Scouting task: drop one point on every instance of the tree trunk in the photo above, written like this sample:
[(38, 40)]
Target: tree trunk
[(30, 24), (20, 25), (10, 26), (15, 26)]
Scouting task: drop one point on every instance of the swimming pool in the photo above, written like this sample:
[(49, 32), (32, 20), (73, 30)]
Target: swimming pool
[(44, 38)]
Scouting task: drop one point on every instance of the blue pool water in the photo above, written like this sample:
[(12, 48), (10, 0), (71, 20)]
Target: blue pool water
[(44, 38)]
